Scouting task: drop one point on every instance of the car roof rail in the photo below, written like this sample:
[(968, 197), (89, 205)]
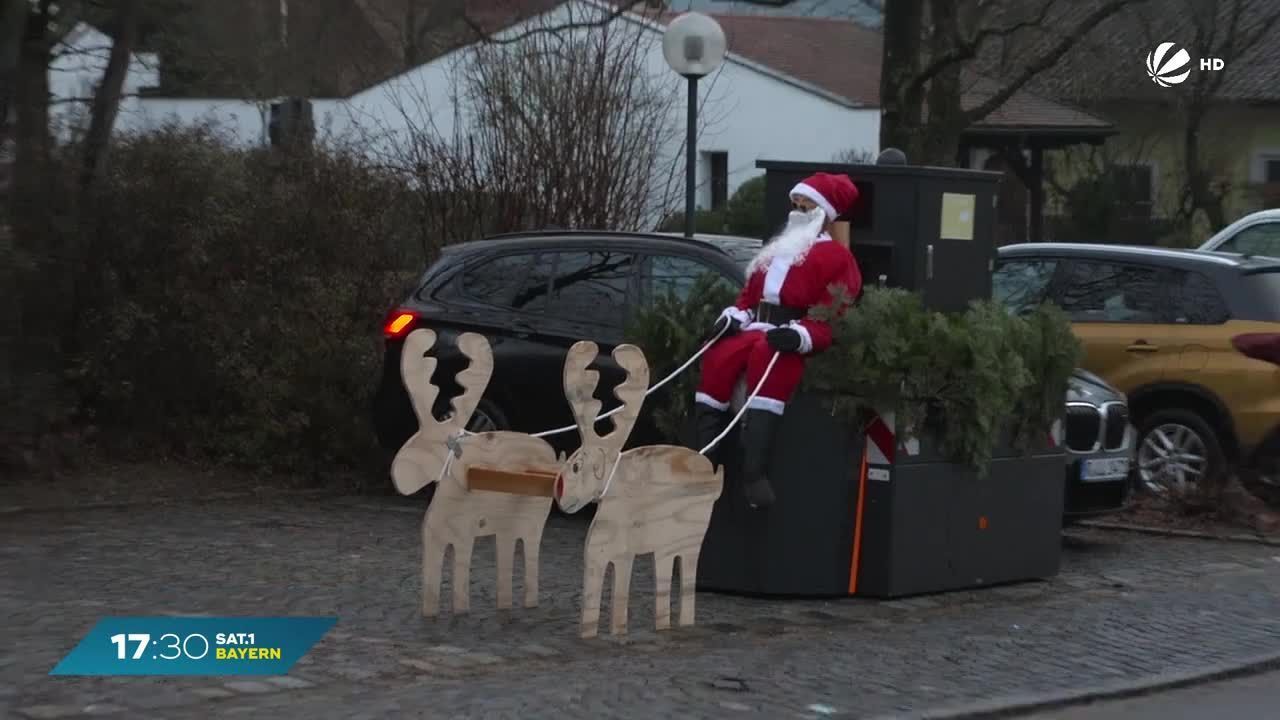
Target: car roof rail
[(1189, 255), (612, 234)]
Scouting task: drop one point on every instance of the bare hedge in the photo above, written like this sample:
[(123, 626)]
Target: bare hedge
[(226, 304)]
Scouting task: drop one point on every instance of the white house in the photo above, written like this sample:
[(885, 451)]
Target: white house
[(77, 67), (752, 108)]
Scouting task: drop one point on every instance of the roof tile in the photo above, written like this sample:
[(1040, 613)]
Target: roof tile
[(843, 58)]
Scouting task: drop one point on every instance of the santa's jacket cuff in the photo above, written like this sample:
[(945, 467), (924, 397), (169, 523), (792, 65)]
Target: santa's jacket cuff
[(737, 313), (806, 340)]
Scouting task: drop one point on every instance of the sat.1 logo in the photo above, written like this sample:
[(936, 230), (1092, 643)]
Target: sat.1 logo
[(1169, 65)]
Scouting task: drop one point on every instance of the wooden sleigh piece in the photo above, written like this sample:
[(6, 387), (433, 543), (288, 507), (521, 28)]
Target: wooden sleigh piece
[(492, 479)]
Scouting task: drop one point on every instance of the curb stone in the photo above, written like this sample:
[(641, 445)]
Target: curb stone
[(1013, 706), (1171, 532)]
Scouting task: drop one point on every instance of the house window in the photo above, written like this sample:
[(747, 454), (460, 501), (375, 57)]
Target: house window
[(1134, 189), (719, 162), (1271, 170), (1264, 166), (1266, 174)]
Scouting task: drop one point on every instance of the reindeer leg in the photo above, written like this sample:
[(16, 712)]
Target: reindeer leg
[(532, 544), (462, 573), (433, 551), (432, 562), (662, 566), (506, 545), (621, 593), (688, 585), (592, 588)]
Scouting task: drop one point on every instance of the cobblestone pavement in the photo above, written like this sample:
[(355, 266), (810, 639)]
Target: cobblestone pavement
[(1125, 605)]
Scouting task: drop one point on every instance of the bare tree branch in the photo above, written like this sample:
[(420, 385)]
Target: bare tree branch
[(564, 129), (963, 49), (488, 37), (1205, 188), (1047, 60)]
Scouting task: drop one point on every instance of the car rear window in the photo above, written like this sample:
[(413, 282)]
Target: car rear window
[(741, 250), (1120, 292), (518, 282), (1195, 300), (1260, 239)]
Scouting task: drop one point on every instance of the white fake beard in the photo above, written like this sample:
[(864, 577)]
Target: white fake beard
[(801, 232)]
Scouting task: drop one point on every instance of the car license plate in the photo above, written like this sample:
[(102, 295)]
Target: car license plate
[(1104, 469)]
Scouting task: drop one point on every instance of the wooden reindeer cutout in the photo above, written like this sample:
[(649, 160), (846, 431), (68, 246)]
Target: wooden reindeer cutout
[(654, 499), (441, 452)]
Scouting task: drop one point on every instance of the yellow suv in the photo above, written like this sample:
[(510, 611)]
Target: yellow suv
[(1192, 338)]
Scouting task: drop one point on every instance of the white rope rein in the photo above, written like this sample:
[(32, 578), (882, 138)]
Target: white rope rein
[(612, 471), (746, 404), (741, 411), (461, 433), (650, 391), (453, 450)]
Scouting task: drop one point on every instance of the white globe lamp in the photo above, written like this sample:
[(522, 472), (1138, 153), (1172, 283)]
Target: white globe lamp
[(694, 46)]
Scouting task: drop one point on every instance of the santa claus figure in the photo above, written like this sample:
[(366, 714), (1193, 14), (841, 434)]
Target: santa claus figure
[(793, 273)]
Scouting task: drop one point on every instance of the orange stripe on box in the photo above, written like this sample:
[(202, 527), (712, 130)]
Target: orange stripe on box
[(857, 528)]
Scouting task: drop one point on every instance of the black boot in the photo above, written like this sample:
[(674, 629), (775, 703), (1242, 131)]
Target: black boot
[(709, 423), (758, 432)]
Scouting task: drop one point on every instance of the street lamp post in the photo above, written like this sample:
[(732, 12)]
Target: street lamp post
[(694, 46)]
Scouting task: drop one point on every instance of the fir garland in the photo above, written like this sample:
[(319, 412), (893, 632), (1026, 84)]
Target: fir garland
[(968, 379), (670, 331)]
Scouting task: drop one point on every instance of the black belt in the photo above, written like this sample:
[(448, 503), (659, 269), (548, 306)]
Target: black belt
[(777, 314)]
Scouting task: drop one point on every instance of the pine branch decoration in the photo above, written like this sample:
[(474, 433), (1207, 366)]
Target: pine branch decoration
[(967, 379)]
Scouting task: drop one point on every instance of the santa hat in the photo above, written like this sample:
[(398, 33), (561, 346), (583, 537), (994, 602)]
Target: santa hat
[(835, 194)]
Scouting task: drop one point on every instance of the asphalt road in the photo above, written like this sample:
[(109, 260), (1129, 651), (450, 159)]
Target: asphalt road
[(1250, 698)]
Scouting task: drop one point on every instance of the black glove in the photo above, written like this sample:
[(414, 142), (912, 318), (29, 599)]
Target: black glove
[(728, 324), (784, 339)]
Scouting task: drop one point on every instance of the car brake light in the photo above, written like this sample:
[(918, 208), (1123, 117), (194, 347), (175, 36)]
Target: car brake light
[(398, 323), (1259, 346)]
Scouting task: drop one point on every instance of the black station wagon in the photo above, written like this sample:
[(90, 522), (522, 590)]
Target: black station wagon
[(533, 295)]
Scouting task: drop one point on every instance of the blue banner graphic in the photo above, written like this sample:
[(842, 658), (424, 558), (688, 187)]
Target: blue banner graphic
[(194, 646)]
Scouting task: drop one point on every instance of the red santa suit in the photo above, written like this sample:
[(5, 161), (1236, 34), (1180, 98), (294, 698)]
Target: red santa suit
[(795, 271)]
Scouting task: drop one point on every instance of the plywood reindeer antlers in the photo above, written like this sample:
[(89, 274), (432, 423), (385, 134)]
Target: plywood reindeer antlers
[(474, 379), (408, 470), (428, 446), (580, 386)]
